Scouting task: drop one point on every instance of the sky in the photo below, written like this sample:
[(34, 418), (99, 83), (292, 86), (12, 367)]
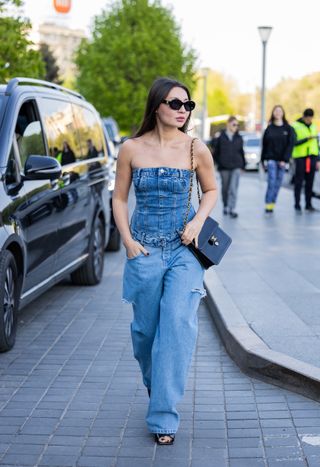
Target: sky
[(224, 34)]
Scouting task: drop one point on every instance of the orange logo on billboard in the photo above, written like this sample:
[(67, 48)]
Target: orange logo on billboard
[(62, 6)]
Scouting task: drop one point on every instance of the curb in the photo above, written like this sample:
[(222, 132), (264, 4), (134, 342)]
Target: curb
[(250, 352)]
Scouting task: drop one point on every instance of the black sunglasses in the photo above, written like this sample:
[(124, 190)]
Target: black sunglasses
[(176, 104)]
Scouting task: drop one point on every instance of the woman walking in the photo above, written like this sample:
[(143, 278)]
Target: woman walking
[(277, 146), (228, 154), (162, 279)]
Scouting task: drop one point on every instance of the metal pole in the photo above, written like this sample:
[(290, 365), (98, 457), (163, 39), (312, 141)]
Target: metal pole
[(263, 87), (204, 105)]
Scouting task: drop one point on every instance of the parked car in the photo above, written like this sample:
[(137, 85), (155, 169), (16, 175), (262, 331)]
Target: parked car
[(316, 183), (113, 132), (55, 204), (115, 239), (252, 151)]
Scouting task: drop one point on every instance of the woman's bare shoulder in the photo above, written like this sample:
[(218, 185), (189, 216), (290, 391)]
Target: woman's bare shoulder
[(132, 145), (129, 148), (128, 145), (200, 146), (203, 156)]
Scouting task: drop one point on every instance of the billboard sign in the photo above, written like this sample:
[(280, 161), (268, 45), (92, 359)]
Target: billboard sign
[(62, 6)]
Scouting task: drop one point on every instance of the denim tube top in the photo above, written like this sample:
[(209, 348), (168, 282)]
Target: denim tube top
[(161, 204)]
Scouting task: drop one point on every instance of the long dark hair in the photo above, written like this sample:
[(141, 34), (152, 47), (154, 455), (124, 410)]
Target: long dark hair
[(272, 119), (159, 91)]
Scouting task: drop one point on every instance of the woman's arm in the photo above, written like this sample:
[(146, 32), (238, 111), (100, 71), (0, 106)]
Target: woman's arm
[(120, 199), (206, 175)]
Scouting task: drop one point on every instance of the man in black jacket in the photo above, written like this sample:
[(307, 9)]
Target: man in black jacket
[(229, 156)]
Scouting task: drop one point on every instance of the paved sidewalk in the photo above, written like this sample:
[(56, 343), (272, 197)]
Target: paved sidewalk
[(272, 274), (273, 271), (71, 395)]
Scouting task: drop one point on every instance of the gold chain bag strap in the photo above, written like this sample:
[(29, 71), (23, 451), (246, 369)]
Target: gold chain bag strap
[(213, 242), (191, 185)]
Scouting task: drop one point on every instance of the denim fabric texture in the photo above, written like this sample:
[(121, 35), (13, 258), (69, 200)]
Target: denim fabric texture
[(164, 289), (275, 177)]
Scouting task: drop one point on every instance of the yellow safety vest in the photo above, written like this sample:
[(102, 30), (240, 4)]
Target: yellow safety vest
[(311, 146)]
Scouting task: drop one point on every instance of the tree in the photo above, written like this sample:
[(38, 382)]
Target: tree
[(9, 3), (134, 42), (295, 95), (52, 69), (17, 57), (221, 94)]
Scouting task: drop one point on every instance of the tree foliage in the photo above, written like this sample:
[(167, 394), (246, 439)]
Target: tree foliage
[(223, 97), (17, 57), (134, 42), (295, 95), (7, 3), (51, 67), (221, 94)]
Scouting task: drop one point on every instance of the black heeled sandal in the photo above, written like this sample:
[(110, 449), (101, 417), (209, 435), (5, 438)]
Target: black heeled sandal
[(164, 442)]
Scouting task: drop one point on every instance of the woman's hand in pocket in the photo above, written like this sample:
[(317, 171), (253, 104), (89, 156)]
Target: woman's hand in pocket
[(134, 249)]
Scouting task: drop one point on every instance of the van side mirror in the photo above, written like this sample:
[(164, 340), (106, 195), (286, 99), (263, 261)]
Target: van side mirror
[(42, 168)]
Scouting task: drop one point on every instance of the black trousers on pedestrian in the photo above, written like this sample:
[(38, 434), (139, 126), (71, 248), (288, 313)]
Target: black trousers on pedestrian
[(301, 175)]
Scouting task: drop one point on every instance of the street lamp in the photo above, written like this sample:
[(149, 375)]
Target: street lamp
[(264, 32), (204, 75)]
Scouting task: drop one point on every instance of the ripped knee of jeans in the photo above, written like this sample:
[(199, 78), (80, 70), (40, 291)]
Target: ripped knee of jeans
[(201, 292), (127, 301)]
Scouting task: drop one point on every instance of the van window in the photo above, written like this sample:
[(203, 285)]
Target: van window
[(90, 132), (60, 130), (28, 133)]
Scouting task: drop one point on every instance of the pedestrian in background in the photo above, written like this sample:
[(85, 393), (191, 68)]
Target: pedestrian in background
[(277, 146), (306, 158), (92, 150), (229, 156), (67, 155), (162, 279)]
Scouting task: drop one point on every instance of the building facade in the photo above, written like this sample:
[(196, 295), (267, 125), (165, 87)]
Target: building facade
[(63, 43)]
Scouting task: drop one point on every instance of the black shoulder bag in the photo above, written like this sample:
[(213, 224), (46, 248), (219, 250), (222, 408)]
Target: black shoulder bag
[(213, 242)]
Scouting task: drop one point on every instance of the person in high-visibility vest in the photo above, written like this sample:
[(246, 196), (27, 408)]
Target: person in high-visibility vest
[(57, 154), (306, 158)]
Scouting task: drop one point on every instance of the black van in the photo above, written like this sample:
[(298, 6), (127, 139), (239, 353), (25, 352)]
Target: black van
[(55, 204)]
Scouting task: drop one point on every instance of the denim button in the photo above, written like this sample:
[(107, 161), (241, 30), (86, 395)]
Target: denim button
[(162, 171)]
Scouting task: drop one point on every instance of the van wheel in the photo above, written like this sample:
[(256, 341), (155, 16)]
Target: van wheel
[(9, 300), (114, 240), (90, 273)]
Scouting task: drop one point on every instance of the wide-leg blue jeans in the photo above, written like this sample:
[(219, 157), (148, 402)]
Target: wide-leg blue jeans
[(275, 177), (165, 289)]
